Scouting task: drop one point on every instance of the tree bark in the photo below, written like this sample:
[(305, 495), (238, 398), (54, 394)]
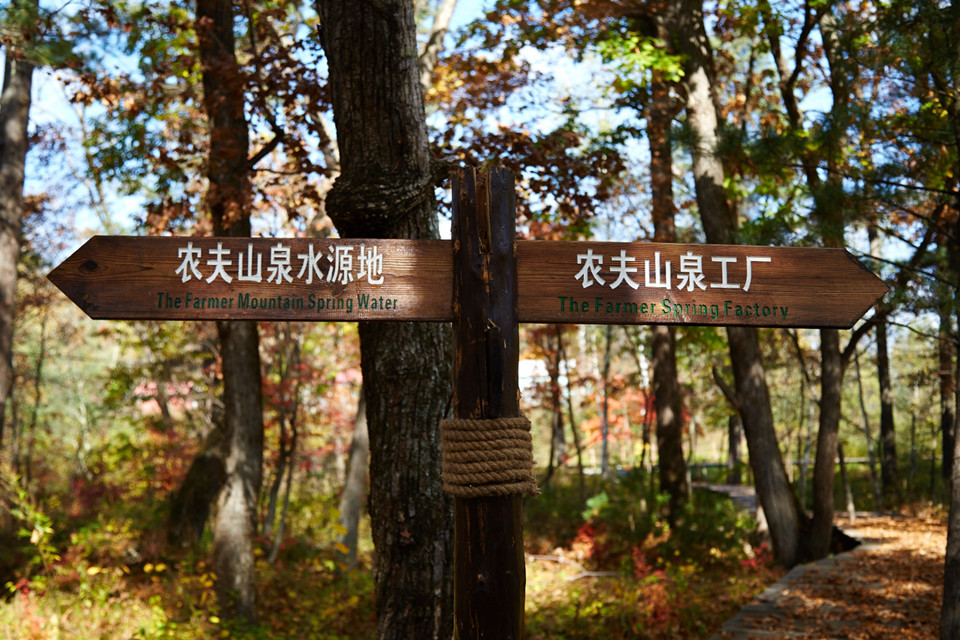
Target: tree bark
[(605, 403), (14, 118), (385, 190), (574, 429), (831, 386), (558, 444), (950, 611), (666, 386), (945, 348), (734, 435), (889, 474), (871, 458), (228, 198), (888, 438), (845, 481), (355, 487), (685, 22)]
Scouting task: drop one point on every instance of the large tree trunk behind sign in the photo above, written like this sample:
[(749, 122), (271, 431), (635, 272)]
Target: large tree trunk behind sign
[(228, 198), (685, 22), (14, 117), (666, 387), (385, 190)]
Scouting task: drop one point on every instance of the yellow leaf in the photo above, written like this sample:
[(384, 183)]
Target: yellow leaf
[(214, 619), (92, 571), (148, 568), (160, 567), (340, 529), (342, 548)]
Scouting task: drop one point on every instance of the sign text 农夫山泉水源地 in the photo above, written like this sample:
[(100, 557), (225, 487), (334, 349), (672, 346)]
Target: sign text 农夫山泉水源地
[(558, 282)]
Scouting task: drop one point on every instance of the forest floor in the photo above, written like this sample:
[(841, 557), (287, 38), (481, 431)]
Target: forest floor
[(889, 587)]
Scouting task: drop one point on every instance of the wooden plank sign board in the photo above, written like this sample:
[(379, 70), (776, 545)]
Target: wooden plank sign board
[(168, 278), (206, 278)]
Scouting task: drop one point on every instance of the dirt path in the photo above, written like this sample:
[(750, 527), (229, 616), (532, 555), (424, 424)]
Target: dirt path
[(889, 587)]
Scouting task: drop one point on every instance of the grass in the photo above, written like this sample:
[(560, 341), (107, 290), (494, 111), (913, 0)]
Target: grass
[(609, 568)]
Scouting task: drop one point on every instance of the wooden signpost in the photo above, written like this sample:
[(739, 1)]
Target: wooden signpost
[(485, 282), (134, 278)]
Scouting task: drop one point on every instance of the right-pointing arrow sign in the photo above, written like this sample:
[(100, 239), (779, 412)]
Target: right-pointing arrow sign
[(651, 283)]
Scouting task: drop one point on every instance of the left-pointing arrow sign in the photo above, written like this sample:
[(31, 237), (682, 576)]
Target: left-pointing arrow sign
[(208, 278)]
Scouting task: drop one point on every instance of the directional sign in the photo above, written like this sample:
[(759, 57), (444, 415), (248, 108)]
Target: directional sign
[(705, 284), (166, 278)]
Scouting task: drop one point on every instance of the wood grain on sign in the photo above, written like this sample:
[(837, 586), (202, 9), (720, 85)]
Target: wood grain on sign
[(137, 278), (708, 284), (140, 278)]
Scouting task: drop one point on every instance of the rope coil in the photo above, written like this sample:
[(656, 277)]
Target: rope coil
[(483, 458)]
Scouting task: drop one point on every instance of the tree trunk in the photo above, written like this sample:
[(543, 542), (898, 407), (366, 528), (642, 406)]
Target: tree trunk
[(190, 504), (888, 438), (14, 118), (574, 430), (558, 444), (355, 488), (845, 481), (945, 344), (871, 458), (228, 197), (685, 22), (734, 435), (831, 387), (385, 190), (950, 611), (605, 404), (666, 387)]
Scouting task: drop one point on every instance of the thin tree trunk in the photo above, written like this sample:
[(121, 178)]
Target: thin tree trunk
[(950, 610), (807, 444), (574, 430), (871, 457), (385, 190), (845, 481), (947, 385), (912, 478), (26, 468), (605, 403), (831, 381), (734, 460), (434, 44), (228, 197), (282, 525), (355, 488), (888, 438), (558, 443), (288, 410), (14, 118)]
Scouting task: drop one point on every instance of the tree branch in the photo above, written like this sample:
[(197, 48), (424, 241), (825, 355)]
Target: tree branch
[(727, 390)]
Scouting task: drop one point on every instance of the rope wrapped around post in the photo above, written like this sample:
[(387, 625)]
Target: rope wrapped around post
[(483, 458)]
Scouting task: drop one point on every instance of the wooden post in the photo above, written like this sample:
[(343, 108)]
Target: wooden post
[(489, 574)]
